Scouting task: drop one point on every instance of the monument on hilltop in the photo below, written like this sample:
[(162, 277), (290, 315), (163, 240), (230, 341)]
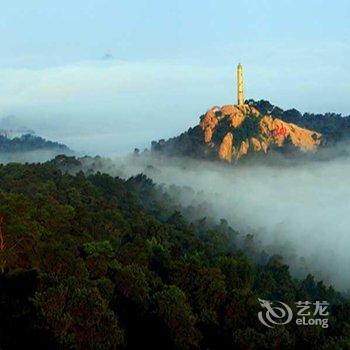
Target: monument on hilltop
[(240, 85)]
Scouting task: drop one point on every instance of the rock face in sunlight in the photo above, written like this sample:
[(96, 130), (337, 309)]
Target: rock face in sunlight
[(226, 148), (237, 130), (232, 132)]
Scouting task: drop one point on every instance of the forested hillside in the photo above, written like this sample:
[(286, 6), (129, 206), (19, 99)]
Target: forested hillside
[(333, 126), (100, 262)]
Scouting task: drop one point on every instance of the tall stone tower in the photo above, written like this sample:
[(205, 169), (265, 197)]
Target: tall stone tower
[(240, 85)]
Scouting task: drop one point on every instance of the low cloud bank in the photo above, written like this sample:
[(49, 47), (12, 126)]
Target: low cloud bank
[(301, 211)]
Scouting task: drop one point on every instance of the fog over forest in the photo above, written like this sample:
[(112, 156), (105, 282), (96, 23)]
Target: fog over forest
[(300, 211)]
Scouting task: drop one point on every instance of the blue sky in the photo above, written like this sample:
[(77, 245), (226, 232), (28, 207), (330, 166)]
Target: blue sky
[(170, 62)]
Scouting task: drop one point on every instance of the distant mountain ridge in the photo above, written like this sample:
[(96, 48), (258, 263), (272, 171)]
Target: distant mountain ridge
[(28, 143)]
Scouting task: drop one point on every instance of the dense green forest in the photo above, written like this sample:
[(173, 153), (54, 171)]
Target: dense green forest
[(88, 261)]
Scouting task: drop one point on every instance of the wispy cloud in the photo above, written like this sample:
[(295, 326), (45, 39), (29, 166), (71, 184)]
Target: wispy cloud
[(26, 87)]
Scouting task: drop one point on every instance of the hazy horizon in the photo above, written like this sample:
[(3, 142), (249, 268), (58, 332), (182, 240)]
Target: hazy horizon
[(105, 77)]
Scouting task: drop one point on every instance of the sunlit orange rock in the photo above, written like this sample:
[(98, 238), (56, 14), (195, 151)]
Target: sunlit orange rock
[(243, 149), (256, 144), (208, 124), (270, 131), (225, 150)]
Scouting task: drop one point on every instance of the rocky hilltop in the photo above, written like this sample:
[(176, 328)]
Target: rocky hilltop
[(231, 132), (253, 132)]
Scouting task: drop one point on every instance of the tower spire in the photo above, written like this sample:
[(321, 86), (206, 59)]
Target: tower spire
[(240, 85)]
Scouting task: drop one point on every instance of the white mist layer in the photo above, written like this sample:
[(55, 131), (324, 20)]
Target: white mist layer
[(302, 211)]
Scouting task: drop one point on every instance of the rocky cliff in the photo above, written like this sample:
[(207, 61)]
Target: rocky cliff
[(231, 132), (252, 132)]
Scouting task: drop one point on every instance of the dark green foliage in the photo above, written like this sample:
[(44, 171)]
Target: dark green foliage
[(96, 262), (189, 143), (178, 320), (249, 128)]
